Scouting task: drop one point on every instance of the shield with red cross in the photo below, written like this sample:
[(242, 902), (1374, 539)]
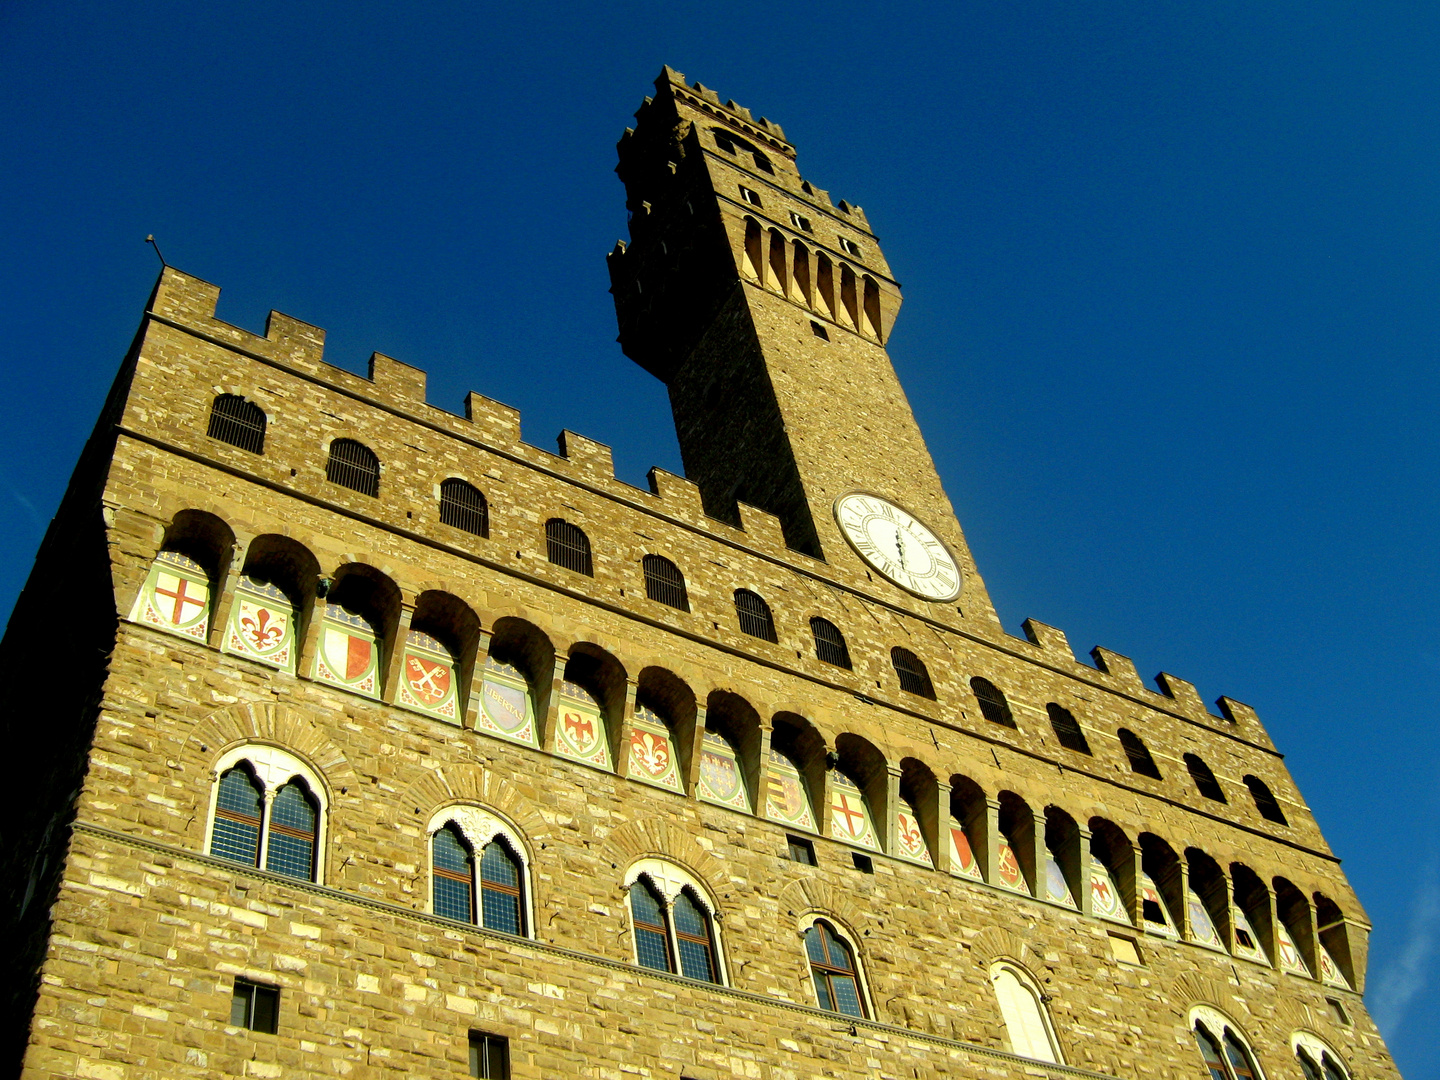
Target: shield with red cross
[(849, 815), (176, 596)]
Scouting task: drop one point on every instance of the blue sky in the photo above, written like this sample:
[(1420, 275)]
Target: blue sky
[(1171, 276)]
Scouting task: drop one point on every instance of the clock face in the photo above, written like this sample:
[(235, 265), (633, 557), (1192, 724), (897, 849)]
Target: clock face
[(898, 547)]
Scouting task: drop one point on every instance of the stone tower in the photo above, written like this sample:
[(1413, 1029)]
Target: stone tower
[(386, 744)]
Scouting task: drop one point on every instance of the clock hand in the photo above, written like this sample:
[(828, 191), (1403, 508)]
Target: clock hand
[(900, 547)]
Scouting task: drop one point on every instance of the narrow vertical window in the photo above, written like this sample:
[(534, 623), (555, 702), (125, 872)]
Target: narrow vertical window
[(500, 889), (463, 505), (489, 1056), (255, 1007), (1025, 1020), (910, 670), (1205, 781), (829, 643), (993, 705), (648, 914), (238, 422), (236, 833), (754, 615), (291, 840), (664, 583), (567, 546), (453, 873), (1067, 729), (355, 466), (832, 965), (692, 939)]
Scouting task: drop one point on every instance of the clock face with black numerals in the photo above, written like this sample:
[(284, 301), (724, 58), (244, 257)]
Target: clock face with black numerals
[(898, 547)]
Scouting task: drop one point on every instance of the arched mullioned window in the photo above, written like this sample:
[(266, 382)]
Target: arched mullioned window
[(567, 546), (1139, 754), (463, 505), (1225, 1051), (1067, 729), (664, 583), (830, 643), (1317, 1061), (355, 466), (268, 811), (833, 968), (1205, 781), (1265, 802), (754, 615), (910, 670), (238, 422), (674, 921), (488, 889), (1026, 1021), (993, 705)]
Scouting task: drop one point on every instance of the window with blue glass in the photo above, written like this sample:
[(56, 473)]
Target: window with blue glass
[(652, 948), (459, 877), (832, 965), (266, 816)]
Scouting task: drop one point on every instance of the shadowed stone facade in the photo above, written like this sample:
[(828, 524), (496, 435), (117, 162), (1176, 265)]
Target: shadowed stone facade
[(131, 933)]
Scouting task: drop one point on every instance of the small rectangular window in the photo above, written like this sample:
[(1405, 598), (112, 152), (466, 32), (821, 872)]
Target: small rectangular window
[(801, 850), (1124, 949), (849, 248), (819, 330), (255, 1006), (489, 1056), (750, 196), (863, 863), (1338, 1011), (800, 221), (1150, 909)]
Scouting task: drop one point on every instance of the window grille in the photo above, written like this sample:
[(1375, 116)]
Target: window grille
[(914, 679), (664, 582), (1139, 754), (833, 968), (567, 546), (1067, 729), (646, 909), (238, 422), (1265, 802), (291, 843), (829, 643), (754, 615), (1205, 781), (355, 466), (255, 1006), (489, 1056), (993, 705), (463, 506)]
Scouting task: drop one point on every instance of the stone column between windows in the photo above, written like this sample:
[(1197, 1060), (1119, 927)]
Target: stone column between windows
[(1085, 901), (552, 707), (1182, 869), (936, 807), (823, 823), (1308, 941), (1132, 892), (762, 769), (477, 679), (1037, 851), (620, 743), (890, 833), (309, 647), (1227, 931), (697, 747), (395, 661), (989, 837), (225, 594)]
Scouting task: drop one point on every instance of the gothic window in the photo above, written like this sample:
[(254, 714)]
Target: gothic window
[(1067, 729), (175, 596), (993, 705), (1265, 801), (829, 643), (1205, 781), (832, 966), (754, 615), (238, 422), (267, 812), (463, 506), (1022, 1007), (909, 668), (487, 889), (1317, 1061), (567, 546), (1140, 760), (355, 466), (673, 921), (664, 583), (1224, 1052)]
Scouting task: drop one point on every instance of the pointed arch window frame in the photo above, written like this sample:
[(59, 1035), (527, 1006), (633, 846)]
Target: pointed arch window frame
[(273, 768), (843, 933), (479, 826), (669, 881), (1030, 985)]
